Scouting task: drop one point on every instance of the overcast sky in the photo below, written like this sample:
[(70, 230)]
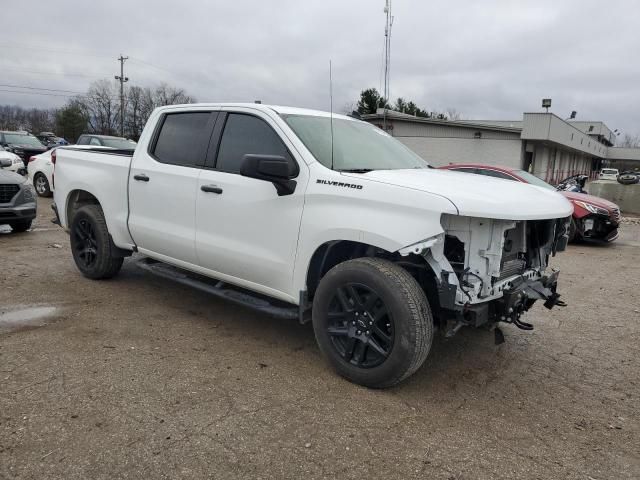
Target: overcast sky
[(486, 59)]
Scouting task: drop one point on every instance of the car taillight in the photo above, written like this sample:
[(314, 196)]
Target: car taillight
[(53, 177), (31, 159)]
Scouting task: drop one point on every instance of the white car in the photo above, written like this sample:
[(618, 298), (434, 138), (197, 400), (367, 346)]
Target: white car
[(315, 216), (40, 170), (609, 174), (17, 165)]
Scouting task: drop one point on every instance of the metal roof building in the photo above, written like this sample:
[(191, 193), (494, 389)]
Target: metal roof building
[(542, 143)]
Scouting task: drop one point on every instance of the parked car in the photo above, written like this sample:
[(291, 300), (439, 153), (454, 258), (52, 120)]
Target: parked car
[(17, 200), (608, 174), (16, 165), (303, 214), (49, 139), (40, 172), (106, 141), (629, 177), (22, 144), (593, 217)]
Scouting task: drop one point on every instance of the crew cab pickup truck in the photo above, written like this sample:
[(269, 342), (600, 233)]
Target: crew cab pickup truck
[(306, 214)]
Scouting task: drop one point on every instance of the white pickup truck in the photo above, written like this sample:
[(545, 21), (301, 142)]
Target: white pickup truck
[(304, 214)]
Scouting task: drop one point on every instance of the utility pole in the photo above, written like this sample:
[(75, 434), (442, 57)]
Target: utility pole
[(122, 80)]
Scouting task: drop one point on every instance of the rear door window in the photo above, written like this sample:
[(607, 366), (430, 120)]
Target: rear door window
[(246, 134), (183, 138)]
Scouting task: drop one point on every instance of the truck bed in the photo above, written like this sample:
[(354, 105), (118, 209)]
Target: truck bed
[(104, 173)]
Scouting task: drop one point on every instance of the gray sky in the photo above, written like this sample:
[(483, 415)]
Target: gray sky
[(487, 59)]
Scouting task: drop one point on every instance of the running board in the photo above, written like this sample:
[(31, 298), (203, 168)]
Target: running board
[(234, 294)]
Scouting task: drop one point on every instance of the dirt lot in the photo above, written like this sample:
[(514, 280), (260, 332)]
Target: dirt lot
[(140, 378)]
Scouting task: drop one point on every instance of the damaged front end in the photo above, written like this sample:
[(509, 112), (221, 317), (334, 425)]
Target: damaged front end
[(490, 271)]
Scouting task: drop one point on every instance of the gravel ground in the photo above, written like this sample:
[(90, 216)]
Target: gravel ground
[(140, 378)]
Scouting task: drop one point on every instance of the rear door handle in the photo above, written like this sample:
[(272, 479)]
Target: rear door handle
[(211, 189), (141, 177)]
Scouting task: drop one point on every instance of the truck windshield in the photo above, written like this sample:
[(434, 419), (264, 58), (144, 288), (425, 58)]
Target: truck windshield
[(357, 146)]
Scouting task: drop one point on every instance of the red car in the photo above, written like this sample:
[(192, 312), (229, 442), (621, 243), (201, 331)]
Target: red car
[(593, 217)]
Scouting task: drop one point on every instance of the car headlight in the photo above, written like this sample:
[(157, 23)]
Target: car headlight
[(593, 208), (17, 160), (29, 192)]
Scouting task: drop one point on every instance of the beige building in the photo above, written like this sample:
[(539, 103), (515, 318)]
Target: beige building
[(542, 143)]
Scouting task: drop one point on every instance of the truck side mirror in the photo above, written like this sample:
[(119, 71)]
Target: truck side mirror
[(271, 168), (5, 162)]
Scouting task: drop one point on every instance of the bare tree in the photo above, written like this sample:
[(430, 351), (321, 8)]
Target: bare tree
[(101, 105), (630, 141), (167, 95), (141, 101), (453, 114), (34, 120)]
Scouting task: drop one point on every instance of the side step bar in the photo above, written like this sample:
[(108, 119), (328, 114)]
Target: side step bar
[(220, 289)]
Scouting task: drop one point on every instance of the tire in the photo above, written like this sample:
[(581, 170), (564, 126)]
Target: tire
[(41, 184), (22, 226), (574, 236), (91, 245), (402, 324)]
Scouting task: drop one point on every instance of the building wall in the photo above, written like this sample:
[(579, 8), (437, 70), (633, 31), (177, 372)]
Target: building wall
[(547, 127), (443, 151), (554, 164)]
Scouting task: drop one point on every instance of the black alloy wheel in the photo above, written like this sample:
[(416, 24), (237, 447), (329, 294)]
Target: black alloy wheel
[(85, 242), (372, 321), (360, 326)]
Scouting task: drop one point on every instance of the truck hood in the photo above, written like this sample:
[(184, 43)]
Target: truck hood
[(478, 196)]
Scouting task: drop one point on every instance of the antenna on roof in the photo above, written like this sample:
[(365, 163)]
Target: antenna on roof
[(387, 59), (331, 110)]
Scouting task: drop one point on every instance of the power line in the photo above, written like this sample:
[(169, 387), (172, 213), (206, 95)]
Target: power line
[(62, 74), (37, 88), (38, 93), (137, 60)]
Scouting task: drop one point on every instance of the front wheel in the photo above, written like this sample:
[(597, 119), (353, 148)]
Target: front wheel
[(372, 322), (91, 245), (574, 235)]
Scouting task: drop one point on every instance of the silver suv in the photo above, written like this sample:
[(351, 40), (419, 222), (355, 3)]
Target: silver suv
[(17, 200)]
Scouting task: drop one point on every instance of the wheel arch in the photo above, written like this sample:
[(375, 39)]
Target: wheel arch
[(331, 253), (77, 199)]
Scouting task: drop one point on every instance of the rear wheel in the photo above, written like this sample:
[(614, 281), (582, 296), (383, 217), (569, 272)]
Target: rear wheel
[(21, 226), (372, 322), (91, 245), (41, 185)]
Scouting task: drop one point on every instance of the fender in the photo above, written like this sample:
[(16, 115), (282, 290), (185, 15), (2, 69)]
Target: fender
[(381, 215)]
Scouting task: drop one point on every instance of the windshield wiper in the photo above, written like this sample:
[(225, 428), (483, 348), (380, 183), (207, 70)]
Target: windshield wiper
[(356, 170)]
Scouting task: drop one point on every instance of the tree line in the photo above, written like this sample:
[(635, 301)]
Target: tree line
[(98, 111), (371, 100)]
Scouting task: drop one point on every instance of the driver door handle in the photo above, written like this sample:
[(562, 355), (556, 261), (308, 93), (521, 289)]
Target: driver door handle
[(211, 189), (141, 177)]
